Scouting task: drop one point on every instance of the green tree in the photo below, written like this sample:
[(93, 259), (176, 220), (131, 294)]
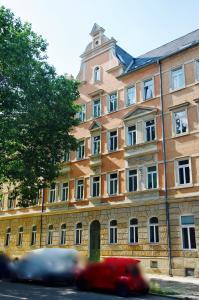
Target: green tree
[(37, 111)]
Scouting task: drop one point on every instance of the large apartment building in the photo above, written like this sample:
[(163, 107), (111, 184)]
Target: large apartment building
[(132, 186)]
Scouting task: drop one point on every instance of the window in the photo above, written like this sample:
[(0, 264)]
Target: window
[(10, 203), (34, 235), (197, 70), (95, 186), (112, 188), (133, 231), (180, 122), (130, 95), (66, 156), (113, 140), (148, 89), (151, 177), (132, 180), (153, 230), (150, 130), (113, 232), (78, 234), (50, 235), (80, 189), (96, 108), (96, 145), (188, 232), (52, 193), (97, 74), (8, 237), (64, 191), (82, 113), (20, 237), (63, 234), (1, 201), (177, 78), (183, 172), (131, 135), (80, 150), (112, 102)]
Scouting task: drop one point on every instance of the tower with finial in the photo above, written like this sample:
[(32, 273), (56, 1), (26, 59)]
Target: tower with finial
[(97, 34)]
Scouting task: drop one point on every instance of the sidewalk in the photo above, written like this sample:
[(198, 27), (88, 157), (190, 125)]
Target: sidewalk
[(178, 287)]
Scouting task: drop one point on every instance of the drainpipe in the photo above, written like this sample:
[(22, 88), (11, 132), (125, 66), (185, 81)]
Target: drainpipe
[(165, 174), (41, 220)]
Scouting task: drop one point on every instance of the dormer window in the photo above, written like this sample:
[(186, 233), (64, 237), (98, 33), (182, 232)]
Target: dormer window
[(97, 74)]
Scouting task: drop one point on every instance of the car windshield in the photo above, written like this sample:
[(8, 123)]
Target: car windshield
[(133, 270)]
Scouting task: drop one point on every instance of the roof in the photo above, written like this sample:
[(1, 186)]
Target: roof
[(163, 51), (124, 57)]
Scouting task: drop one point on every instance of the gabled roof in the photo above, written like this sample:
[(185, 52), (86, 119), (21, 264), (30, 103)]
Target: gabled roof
[(139, 110), (95, 125), (124, 57), (163, 51), (96, 29)]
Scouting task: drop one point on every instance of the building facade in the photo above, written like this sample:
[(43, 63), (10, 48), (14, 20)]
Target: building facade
[(132, 186)]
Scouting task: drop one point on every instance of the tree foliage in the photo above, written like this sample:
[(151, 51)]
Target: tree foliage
[(37, 111)]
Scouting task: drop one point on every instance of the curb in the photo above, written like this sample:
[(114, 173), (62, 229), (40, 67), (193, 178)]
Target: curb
[(180, 297)]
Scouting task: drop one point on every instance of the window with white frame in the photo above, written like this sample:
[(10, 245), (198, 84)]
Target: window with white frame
[(180, 121), (112, 142), (20, 237), (150, 130), (130, 95), (152, 177), (10, 203), (131, 135), (1, 201), (80, 150), (133, 231), (112, 184), (177, 78), (112, 103), (183, 172), (188, 232), (66, 156), (34, 235), (132, 180), (64, 191), (50, 235), (79, 189), (148, 89), (63, 234), (82, 113), (96, 144), (52, 193), (153, 230), (78, 234), (113, 232), (8, 237), (95, 186), (197, 70), (96, 108), (97, 74)]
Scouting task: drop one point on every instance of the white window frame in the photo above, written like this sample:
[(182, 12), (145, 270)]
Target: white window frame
[(92, 144), (145, 127), (76, 189), (33, 236), (127, 135), (109, 181), (197, 70), (109, 138), (64, 189), (93, 106), (8, 237), (116, 93), (115, 232), (154, 231), (50, 235), (143, 89), (54, 191), (20, 237), (11, 203), (134, 232), (127, 179), (174, 121), (91, 186), (148, 166), (188, 226), (98, 77), (126, 95), (62, 235), (79, 150), (82, 112), (78, 231), (177, 179), (171, 78)]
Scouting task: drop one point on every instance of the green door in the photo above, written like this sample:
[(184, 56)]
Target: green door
[(95, 241)]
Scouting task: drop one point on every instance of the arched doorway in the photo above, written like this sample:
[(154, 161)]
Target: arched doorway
[(95, 241)]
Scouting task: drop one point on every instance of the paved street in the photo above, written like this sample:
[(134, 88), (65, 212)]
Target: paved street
[(18, 291)]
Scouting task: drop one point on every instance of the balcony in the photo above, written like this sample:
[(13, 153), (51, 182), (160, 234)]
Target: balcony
[(65, 168), (95, 161)]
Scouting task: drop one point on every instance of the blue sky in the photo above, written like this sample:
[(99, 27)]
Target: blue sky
[(138, 26)]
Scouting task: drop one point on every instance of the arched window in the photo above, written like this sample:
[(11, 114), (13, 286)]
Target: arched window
[(34, 235), (153, 230), (113, 232), (63, 234), (97, 74), (8, 237), (52, 193), (133, 231), (50, 235), (20, 237), (78, 234)]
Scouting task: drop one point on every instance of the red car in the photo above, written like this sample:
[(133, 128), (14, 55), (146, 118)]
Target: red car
[(120, 275)]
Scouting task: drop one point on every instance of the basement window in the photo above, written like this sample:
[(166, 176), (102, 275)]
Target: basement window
[(189, 272), (153, 264)]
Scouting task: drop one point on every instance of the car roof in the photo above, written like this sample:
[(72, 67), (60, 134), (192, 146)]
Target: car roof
[(121, 260)]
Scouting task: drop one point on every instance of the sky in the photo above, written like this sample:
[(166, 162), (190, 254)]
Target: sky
[(137, 25)]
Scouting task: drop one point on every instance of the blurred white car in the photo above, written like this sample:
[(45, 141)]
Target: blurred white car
[(47, 265)]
